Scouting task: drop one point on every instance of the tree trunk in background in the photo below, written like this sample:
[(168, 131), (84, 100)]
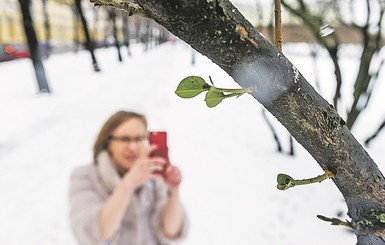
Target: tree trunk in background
[(126, 33), (89, 44), (47, 28), (218, 30), (112, 17), (33, 46), (76, 38)]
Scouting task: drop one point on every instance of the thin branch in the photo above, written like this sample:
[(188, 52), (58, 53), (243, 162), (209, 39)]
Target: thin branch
[(375, 134), (372, 83), (303, 5), (130, 8), (369, 10), (335, 221), (275, 135), (278, 25), (379, 24)]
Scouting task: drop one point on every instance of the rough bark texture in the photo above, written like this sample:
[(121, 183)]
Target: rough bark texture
[(217, 30)]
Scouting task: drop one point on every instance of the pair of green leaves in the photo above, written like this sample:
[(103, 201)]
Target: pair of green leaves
[(194, 85)]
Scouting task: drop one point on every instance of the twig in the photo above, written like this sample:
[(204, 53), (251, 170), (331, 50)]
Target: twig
[(130, 8), (278, 24), (335, 221)]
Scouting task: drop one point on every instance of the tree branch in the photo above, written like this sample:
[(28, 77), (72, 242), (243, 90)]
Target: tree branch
[(130, 8)]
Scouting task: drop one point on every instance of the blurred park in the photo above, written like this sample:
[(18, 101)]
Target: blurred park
[(66, 65)]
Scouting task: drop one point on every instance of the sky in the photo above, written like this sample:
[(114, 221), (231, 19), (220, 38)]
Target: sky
[(226, 154)]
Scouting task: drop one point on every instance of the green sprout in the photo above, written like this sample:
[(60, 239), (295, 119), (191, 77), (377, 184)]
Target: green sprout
[(285, 181), (335, 221), (194, 85)]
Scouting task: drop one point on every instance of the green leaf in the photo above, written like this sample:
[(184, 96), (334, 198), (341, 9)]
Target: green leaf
[(191, 86), (284, 182), (213, 97)]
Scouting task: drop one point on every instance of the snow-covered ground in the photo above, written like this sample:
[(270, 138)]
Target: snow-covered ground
[(227, 154)]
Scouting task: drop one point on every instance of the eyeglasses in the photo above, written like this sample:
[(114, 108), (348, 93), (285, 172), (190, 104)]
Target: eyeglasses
[(126, 139)]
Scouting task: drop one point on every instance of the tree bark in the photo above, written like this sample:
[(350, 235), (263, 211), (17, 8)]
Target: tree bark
[(218, 30), (33, 47)]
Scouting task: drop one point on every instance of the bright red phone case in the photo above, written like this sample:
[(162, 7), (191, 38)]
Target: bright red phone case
[(159, 139)]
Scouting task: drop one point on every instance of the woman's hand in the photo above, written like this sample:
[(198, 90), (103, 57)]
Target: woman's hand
[(144, 168), (172, 177)]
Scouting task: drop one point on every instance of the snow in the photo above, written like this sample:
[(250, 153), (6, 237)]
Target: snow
[(226, 154)]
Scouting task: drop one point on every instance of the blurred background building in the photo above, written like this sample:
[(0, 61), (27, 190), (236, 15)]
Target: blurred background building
[(59, 28)]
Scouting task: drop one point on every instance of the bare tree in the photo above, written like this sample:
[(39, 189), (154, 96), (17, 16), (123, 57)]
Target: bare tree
[(33, 46), (89, 44), (112, 18), (218, 30), (370, 32), (126, 33)]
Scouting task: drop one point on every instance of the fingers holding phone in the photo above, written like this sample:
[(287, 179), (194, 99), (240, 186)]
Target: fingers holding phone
[(171, 174), (159, 148), (159, 139), (144, 169)]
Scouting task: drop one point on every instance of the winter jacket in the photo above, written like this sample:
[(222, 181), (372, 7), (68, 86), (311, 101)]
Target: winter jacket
[(90, 187)]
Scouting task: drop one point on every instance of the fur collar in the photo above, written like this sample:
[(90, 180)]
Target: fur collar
[(107, 171)]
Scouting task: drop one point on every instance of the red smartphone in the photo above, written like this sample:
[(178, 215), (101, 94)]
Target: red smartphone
[(159, 139)]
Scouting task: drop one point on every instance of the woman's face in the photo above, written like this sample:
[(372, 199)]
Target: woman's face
[(127, 143)]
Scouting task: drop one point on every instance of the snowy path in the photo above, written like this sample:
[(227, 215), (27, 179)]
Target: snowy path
[(226, 153)]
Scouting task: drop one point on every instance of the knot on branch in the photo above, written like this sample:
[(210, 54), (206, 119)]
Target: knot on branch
[(333, 120), (330, 122), (244, 35)]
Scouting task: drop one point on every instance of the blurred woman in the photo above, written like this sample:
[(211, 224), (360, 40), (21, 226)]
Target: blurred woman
[(121, 198)]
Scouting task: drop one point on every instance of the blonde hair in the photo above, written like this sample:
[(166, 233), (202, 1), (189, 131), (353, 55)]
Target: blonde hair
[(110, 125)]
